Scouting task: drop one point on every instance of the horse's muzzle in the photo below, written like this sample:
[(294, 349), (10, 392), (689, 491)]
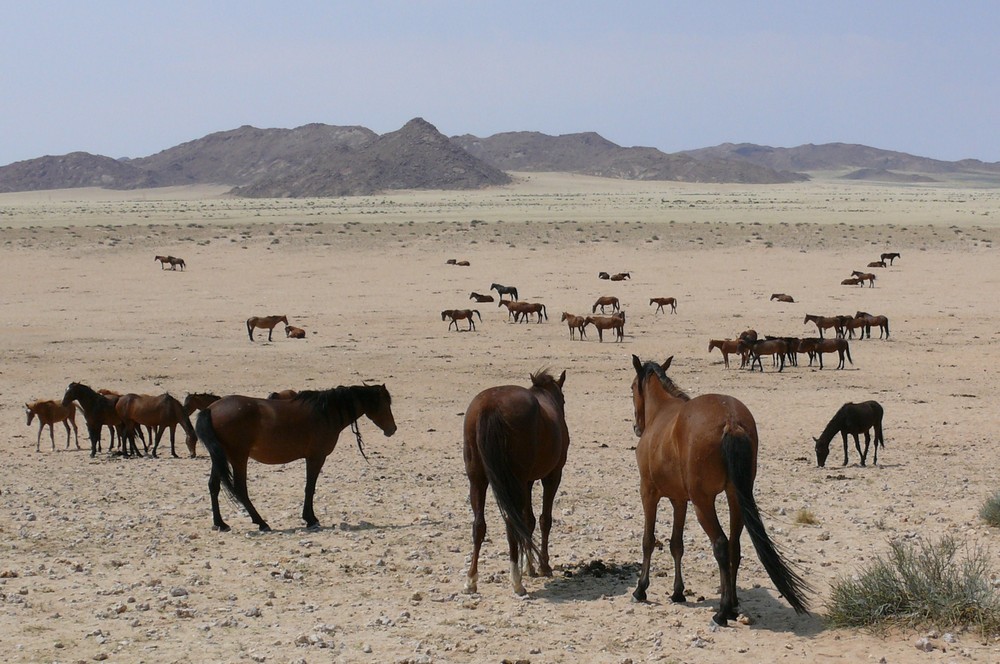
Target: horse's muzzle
[(637, 430), (389, 432)]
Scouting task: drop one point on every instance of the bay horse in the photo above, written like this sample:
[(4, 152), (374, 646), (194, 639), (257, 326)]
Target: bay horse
[(727, 347), (575, 323), (850, 324), (614, 322), (606, 301), (162, 412), (776, 348), (98, 411), (278, 431), (881, 321), (478, 297), (621, 276), (198, 401), (824, 323), (853, 281), (661, 301), (49, 413), (865, 276), (513, 437), (264, 322), (820, 346), (175, 263), (781, 297), (889, 257), (522, 310), (504, 290), (283, 394), (164, 261), (693, 450), (461, 314), (876, 264), (292, 332), (854, 419)]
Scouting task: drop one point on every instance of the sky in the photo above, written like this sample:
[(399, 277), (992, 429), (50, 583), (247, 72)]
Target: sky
[(128, 79)]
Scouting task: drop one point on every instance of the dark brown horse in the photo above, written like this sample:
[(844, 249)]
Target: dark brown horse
[(236, 429), (824, 323), (865, 276), (575, 323), (693, 450), (264, 322), (854, 419), (881, 321), (603, 275), (853, 281), (162, 412), (176, 262), (283, 394), (606, 301), (889, 257), (522, 310), (504, 290), (621, 276), (660, 302), (461, 314), (776, 348), (614, 322), (781, 297), (198, 401), (876, 264), (99, 411), (48, 414), (479, 297), (849, 324), (515, 436), (819, 346)]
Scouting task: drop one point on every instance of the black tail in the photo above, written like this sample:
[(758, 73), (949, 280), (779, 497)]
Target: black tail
[(220, 464), (739, 465), (847, 347), (492, 439)]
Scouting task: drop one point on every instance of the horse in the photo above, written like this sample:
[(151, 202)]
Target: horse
[(463, 263), (851, 323), (176, 262), (661, 301), (521, 310), (514, 436), (853, 281), (777, 348), (164, 261), (603, 275), (98, 411), (162, 412), (693, 450), (614, 322), (881, 321), (854, 419), (504, 290), (461, 314), (621, 276), (478, 297), (820, 346), (264, 322), (198, 401), (606, 301), (876, 264), (451, 261), (865, 276), (575, 323), (727, 347), (781, 297), (48, 413), (292, 332), (889, 257), (283, 394), (275, 431), (824, 323)]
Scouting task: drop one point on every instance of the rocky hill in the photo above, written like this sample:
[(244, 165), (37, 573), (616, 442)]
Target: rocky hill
[(76, 169)]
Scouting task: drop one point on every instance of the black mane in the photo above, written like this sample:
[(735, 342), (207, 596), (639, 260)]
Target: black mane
[(668, 385)]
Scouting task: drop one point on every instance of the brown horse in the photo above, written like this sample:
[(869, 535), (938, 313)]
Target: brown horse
[(781, 297), (175, 263), (621, 276), (614, 322), (162, 413), (889, 257), (820, 346), (49, 413), (606, 301), (98, 411), (854, 419), (164, 261), (824, 323), (881, 321), (292, 332), (264, 322), (283, 394), (849, 324), (865, 276), (693, 450), (876, 264), (853, 281), (198, 401), (603, 275), (275, 431), (727, 347), (575, 323), (461, 314), (479, 297), (515, 436), (522, 310), (776, 348), (661, 301)]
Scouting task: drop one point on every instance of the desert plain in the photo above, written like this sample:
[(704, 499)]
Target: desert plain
[(112, 559)]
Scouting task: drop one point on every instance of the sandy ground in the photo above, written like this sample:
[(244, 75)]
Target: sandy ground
[(116, 559)]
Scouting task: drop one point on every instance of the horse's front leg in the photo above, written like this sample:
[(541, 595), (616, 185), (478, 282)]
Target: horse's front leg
[(477, 498), (173, 435), (843, 434), (868, 440), (677, 547), (650, 501), (313, 466)]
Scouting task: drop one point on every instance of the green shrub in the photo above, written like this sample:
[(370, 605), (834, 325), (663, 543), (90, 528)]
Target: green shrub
[(990, 511), (921, 583)]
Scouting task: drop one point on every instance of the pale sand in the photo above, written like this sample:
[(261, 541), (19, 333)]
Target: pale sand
[(94, 550)]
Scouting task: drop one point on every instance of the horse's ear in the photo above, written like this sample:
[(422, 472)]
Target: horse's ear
[(636, 363), (562, 379), (666, 365)]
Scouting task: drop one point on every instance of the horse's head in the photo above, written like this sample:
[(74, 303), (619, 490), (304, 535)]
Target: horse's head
[(377, 406), (283, 319), (822, 452), (642, 371), (72, 391), (30, 413), (444, 314)]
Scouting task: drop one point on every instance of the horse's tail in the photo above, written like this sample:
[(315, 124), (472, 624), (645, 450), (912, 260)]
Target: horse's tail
[(220, 464), (493, 441), (545, 312), (250, 329), (847, 347), (476, 311), (736, 450), (513, 291), (886, 328)]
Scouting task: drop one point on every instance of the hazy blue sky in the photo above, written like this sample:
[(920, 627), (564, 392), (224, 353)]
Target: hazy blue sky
[(133, 78)]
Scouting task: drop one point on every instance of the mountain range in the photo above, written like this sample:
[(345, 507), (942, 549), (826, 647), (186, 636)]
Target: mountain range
[(327, 160)]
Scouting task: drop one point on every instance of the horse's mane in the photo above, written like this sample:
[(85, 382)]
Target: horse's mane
[(832, 427), (668, 385), (543, 380), (349, 403)]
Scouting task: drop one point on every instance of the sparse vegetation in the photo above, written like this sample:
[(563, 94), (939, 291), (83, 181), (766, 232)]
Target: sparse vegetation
[(990, 511), (806, 518), (943, 584)]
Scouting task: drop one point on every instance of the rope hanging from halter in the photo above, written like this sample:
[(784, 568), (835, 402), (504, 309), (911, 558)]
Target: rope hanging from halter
[(358, 411)]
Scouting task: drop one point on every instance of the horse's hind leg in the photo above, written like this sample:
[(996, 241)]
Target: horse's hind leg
[(677, 548), (240, 489), (527, 564), (515, 562), (868, 440), (477, 497), (650, 501), (550, 486), (66, 424), (709, 520), (214, 484), (735, 553)]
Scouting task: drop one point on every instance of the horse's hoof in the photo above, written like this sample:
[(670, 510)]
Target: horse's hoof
[(678, 598), (639, 596), (221, 527), (314, 526), (719, 620), (264, 528)]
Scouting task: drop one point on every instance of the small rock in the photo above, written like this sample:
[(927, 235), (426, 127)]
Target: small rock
[(924, 644)]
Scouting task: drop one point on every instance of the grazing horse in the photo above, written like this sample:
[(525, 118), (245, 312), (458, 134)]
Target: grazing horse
[(781, 297), (777, 348), (881, 321), (889, 257), (693, 450), (603, 275), (478, 297), (614, 322), (824, 323), (575, 323), (854, 419), (160, 412), (660, 302), (865, 276), (514, 436), (98, 411), (264, 322), (292, 332), (48, 413), (853, 281), (276, 431), (820, 346), (198, 401), (727, 347), (606, 301), (461, 314), (621, 276), (504, 290), (876, 264)]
